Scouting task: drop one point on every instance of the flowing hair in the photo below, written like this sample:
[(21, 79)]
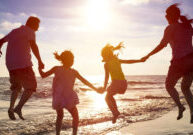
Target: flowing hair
[(66, 58), (107, 51), (174, 13)]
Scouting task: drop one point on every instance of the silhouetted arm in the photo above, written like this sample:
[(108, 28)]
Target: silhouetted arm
[(46, 74), (35, 51), (2, 41), (106, 75), (83, 80), (154, 51), (165, 40), (130, 61)]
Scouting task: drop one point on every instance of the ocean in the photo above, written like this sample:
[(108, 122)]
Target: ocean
[(145, 99)]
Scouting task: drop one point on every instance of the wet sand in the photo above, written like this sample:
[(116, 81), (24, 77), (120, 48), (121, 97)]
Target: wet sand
[(165, 125)]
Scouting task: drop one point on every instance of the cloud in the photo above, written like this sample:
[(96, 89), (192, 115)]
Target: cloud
[(1, 35), (7, 26), (134, 2)]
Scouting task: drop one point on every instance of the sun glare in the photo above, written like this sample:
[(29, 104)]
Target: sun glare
[(98, 99), (98, 14)]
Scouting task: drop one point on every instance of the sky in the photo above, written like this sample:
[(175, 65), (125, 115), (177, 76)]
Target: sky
[(85, 26)]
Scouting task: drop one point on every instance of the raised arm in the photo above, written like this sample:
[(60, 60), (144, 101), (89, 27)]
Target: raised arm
[(165, 40), (2, 41), (154, 51), (106, 75), (46, 74), (35, 51), (83, 80), (131, 61)]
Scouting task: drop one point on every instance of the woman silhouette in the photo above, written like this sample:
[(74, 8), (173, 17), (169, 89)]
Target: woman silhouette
[(179, 34)]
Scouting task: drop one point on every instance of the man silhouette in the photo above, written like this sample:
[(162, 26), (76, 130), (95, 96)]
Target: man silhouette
[(18, 61)]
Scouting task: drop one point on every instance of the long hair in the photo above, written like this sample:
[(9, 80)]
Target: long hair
[(66, 58), (174, 14), (107, 52)]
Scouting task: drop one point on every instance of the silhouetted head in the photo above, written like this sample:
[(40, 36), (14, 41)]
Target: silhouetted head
[(66, 57), (33, 23), (107, 52), (173, 14)]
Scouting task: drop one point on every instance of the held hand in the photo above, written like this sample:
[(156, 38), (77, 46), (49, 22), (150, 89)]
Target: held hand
[(41, 65), (143, 59), (100, 90)]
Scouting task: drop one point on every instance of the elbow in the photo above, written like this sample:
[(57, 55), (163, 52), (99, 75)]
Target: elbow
[(42, 75)]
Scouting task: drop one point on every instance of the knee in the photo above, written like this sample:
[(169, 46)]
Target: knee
[(169, 86), (108, 97), (184, 87), (60, 115)]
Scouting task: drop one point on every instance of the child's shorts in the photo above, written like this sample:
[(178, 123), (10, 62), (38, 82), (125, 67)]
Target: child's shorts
[(117, 87), (23, 78)]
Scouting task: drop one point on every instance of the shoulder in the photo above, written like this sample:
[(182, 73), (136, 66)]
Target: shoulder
[(56, 68), (75, 72), (10, 34), (169, 28)]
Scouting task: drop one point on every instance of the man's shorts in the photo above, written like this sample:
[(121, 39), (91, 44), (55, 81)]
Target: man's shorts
[(117, 87), (23, 78), (179, 68)]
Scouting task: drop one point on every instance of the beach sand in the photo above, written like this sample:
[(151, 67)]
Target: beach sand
[(165, 125)]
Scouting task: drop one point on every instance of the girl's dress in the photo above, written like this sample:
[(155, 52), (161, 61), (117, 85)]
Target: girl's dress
[(63, 94)]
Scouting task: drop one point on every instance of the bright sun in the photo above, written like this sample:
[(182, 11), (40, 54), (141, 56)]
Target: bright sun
[(98, 14)]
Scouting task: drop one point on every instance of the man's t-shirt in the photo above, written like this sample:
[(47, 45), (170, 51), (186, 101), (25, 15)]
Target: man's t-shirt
[(179, 36), (18, 54)]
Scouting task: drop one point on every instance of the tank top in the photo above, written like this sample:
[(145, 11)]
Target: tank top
[(115, 70)]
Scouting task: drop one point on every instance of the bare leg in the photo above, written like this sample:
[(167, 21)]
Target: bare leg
[(112, 106), (14, 96), (171, 81), (74, 113), (60, 115), (24, 98), (185, 86)]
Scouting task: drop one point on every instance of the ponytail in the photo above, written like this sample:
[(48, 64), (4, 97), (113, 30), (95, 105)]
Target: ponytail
[(57, 56), (119, 46), (185, 20), (66, 58)]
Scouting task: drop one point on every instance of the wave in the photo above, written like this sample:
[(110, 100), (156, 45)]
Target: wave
[(143, 83), (146, 88), (155, 97), (141, 98)]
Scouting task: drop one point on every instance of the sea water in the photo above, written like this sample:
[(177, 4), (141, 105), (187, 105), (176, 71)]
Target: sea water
[(144, 99)]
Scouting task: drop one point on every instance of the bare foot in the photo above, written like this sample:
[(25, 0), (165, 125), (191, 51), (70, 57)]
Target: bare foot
[(180, 115), (115, 117), (11, 114), (19, 113)]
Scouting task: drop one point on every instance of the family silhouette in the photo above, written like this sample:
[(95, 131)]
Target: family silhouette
[(22, 40)]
